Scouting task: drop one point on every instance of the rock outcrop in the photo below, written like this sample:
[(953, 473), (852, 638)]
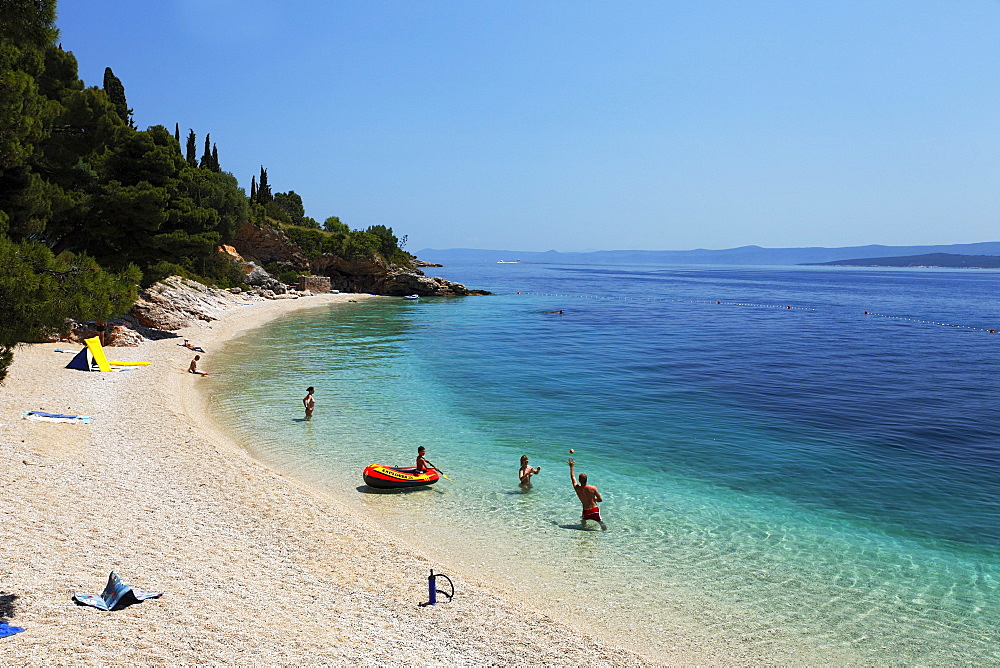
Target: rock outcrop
[(178, 302), (267, 244), (258, 278), (414, 282), (378, 278)]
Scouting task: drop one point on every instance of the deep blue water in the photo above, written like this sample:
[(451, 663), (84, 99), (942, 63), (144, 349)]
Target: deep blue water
[(813, 482)]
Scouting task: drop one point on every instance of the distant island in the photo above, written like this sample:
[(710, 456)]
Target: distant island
[(943, 260), (875, 255)]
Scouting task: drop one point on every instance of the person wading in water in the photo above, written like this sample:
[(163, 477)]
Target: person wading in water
[(589, 497), (309, 401), (527, 471)]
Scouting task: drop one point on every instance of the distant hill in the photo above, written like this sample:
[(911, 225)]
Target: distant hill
[(926, 260), (745, 255)]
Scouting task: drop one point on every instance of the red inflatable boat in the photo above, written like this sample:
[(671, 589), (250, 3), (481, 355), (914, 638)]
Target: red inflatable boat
[(392, 477)]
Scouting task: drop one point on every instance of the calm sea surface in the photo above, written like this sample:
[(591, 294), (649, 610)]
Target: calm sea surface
[(808, 483)]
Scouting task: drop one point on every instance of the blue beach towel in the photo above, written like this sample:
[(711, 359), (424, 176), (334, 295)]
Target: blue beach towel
[(52, 415), (7, 630), (114, 593), (55, 417)]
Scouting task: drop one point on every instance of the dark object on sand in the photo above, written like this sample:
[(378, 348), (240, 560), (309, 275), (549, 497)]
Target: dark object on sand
[(116, 592)]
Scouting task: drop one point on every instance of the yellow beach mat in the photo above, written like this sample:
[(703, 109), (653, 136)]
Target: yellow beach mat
[(117, 363), (94, 345)]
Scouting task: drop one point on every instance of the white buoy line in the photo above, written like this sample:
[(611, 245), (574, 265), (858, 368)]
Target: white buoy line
[(664, 299), (785, 307)]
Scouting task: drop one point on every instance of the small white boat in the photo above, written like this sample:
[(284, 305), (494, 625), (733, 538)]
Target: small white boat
[(507, 261), (411, 297)]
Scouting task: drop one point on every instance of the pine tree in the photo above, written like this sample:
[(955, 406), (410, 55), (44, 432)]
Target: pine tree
[(215, 159), (191, 158), (116, 93), (291, 203), (206, 157)]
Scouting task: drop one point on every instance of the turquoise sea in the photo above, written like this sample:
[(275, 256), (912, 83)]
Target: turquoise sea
[(811, 483)]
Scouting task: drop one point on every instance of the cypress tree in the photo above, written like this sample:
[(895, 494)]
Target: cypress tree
[(177, 134), (116, 93), (263, 189), (206, 157), (253, 188), (191, 149), (215, 159)]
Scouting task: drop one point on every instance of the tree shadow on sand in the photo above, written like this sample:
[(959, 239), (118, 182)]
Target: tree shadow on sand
[(7, 605)]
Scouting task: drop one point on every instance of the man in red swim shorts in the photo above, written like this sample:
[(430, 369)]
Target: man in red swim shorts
[(589, 497)]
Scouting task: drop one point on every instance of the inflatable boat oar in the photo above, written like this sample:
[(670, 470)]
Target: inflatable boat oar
[(439, 471)]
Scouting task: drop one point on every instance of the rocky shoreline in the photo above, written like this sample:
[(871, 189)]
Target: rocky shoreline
[(260, 245), (176, 302)]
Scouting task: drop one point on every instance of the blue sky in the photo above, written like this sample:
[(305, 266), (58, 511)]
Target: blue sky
[(537, 125)]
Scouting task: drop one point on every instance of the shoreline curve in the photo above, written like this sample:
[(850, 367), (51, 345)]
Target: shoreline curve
[(255, 566)]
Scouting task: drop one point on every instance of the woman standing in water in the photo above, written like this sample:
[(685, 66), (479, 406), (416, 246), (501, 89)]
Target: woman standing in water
[(309, 401), (527, 471)]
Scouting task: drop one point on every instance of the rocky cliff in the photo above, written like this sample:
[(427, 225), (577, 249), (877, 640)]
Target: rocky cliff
[(264, 244)]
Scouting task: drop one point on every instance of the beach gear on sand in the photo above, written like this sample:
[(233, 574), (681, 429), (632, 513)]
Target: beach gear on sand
[(93, 356), (55, 417), (114, 593), (395, 477), (7, 630), (434, 591), (89, 356)]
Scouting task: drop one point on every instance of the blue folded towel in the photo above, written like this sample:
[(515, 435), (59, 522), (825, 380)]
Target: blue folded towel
[(7, 630), (113, 594)]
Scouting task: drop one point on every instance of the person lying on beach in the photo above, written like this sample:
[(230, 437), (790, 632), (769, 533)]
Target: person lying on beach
[(527, 471), (423, 465), (193, 368), (309, 401), (589, 497), (189, 346)]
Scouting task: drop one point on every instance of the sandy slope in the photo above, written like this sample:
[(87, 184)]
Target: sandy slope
[(256, 567)]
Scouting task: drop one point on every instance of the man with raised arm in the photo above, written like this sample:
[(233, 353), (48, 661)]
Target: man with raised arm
[(589, 497)]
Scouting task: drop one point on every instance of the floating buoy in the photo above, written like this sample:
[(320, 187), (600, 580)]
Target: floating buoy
[(718, 302), (789, 308), (866, 312)]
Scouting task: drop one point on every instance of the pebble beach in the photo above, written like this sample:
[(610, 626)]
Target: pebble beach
[(255, 567)]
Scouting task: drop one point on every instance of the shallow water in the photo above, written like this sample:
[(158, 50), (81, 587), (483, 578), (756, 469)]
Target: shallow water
[(801, 483)]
